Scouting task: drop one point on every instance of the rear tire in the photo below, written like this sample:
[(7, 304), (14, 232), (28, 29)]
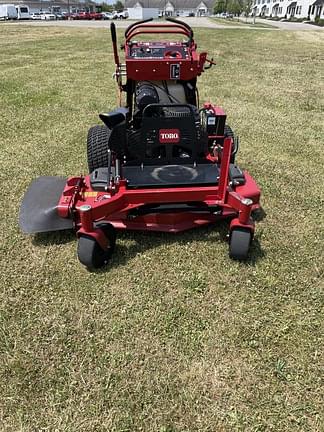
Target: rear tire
[(240, 241), (228, 133), (97, 147)]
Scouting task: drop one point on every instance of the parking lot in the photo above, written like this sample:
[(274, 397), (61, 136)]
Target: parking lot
[(192, 21)]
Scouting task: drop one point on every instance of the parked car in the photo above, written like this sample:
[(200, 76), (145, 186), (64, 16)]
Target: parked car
[(107, 15), (120, 15), (47, 16), (67, 15), (226, 15), (59, 15), (35, 16), (95, 15), (81, 16)]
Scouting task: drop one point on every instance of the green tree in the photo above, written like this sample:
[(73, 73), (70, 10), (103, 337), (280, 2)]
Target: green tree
[(106, 7), (247, 7), (220, 6), (235, 7), (119, 7)]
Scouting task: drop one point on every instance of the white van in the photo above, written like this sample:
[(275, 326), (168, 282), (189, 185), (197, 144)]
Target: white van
[(8, 11), (23, 12)]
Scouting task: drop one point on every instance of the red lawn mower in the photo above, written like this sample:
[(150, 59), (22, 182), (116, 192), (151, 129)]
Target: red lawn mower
[(158, 162)]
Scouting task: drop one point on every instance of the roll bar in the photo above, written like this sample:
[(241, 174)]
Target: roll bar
[(181, 23), (136, 24), (141, 27)]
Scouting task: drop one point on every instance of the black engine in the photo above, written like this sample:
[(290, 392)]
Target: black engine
[(145, 94)]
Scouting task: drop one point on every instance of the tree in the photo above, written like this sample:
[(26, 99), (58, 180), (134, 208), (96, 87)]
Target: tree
[(106, 7), (119, 7), (247, 7), (219, 7), (235, 7)]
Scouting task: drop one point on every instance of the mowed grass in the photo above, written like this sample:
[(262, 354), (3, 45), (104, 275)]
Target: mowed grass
[(240, 23), (173, 335)]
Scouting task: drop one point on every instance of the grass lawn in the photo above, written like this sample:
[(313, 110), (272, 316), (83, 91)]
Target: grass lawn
[(240, 23), (173, 335)]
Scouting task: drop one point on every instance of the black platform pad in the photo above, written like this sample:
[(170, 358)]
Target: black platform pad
[(161, 176), (167, 175), (171, 175)]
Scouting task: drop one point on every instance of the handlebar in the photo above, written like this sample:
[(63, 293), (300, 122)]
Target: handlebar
[(183, 24), (141, 27), (114, 42), (136, 24)]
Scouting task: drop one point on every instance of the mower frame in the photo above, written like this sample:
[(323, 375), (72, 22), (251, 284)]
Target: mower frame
[(95, 212)]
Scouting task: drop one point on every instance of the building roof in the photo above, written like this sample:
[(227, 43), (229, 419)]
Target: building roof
[(161, 4), (318, 3)]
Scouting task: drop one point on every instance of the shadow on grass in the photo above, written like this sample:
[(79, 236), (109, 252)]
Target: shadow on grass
[(53, 237), (259, 214), (256, 253), (143, 241)]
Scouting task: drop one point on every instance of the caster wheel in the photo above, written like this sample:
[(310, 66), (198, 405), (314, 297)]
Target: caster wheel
[(91, 254), (240, 241)]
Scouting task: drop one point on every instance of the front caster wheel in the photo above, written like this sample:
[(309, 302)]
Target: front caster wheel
[(91, 254), (240, 241)]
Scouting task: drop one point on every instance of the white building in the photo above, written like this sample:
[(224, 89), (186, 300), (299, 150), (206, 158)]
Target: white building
[(308, 9), (171, 8), (138, 12)]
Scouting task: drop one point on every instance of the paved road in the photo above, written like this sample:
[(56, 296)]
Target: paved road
[(192, 21)]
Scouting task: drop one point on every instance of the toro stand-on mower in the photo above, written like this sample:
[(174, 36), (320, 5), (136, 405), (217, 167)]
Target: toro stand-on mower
[(158, 162)]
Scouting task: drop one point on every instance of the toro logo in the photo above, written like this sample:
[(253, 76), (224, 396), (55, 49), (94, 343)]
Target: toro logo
[(169, 135)]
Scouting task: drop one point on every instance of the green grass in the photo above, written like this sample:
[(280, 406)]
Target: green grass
[(240, 23), (172, 336)]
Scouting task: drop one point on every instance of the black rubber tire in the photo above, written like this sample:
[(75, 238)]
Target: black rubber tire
[(97, 147), (228, 133), (91, 254), (240, 241)]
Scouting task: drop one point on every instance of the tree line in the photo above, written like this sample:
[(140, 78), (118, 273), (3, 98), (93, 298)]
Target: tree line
[(235, 7), (118, 6)]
